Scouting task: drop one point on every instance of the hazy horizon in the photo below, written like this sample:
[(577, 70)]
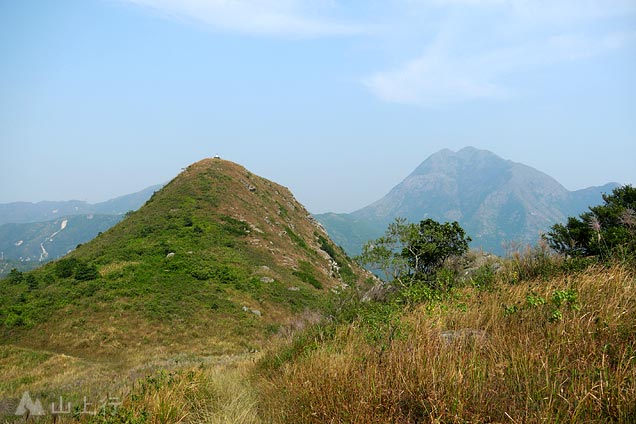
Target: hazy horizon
[(337, 101)]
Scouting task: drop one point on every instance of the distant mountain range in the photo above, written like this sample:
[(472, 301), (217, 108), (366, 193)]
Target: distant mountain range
[(43, 241), (24, 212), (496, 201), (34, 233)]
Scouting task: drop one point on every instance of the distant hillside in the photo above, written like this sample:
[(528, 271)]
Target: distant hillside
[(24, 212), (216, 261), (495, 200), (43, 241), (26, 228)]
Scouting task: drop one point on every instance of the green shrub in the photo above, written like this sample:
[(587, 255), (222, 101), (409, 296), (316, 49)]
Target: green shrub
[(232, 226), (15, 276), (296, 238), (306, 274), (31, 281), (85, 272), (65, 267), (484, 277)]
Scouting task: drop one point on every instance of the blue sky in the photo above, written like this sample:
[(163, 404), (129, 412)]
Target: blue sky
[(338, 100)]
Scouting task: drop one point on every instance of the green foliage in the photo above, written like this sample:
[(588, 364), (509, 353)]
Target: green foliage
[(65, 267), (444, 279), (13, 320), (296, 238), (416, 252), (385, 253), (346, 273), (533, 300), (306, 274), (552, 310), (326, 246), (233, 226), (31, 281), (418, 293), (85, 272), (567, 297), (484, 277), (605, 231), (15, 276), (432, 243), (73, 267)]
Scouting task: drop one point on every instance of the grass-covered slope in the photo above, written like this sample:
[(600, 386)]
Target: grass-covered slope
[(559, 349), (214, 262)]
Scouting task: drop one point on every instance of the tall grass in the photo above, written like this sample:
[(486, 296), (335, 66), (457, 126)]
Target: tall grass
[(214, 395), (562, 350)]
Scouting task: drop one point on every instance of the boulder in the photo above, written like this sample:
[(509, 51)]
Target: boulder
[(463, 335)]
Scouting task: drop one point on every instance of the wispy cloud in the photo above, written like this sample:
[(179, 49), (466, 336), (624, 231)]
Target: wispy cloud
[(484, 41), (461, 50), (285, 18), (441, 76)]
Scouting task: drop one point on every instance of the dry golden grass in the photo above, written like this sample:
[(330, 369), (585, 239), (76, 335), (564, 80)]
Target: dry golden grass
[(219, 393), (534, 364), (43, 372), (178, 391)]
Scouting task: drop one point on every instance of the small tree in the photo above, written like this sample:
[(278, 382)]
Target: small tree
[(65, 267), (385, 253), (414, 252), (431, 244), (31, 281)]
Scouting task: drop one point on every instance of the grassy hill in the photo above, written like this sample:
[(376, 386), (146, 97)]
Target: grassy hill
[(216, 262)]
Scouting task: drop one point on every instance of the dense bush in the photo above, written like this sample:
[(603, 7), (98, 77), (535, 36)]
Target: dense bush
[(606, 230)]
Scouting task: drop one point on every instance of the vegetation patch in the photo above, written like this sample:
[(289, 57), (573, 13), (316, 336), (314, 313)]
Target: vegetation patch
[(306, 274)]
